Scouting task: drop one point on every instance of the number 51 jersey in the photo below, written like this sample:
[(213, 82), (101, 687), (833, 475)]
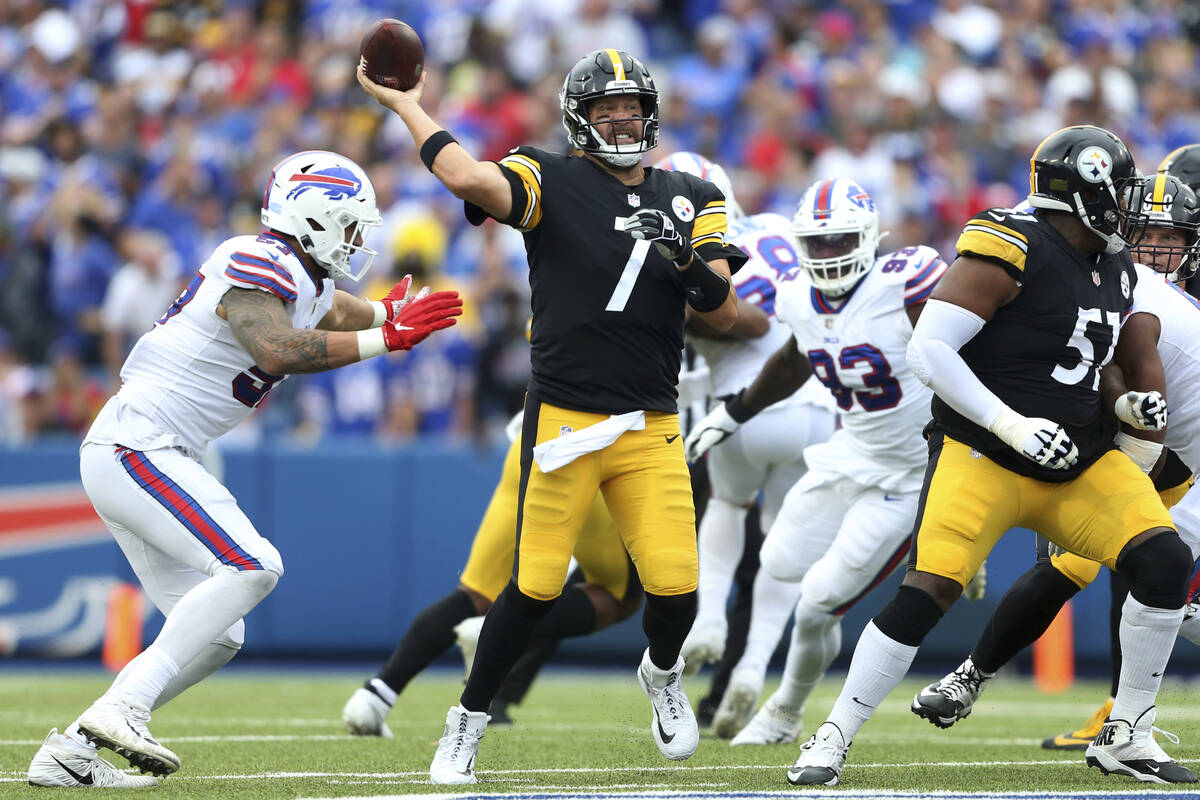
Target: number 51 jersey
[(857, 349), (188, 380)]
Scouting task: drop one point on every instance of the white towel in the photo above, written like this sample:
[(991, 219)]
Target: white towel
[(555, 453)]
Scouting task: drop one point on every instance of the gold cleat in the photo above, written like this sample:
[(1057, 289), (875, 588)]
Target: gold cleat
[(1080, 739)]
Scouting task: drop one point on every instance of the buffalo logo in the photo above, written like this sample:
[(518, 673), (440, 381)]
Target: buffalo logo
[(1094, 164), (337, 183), (860, 198)]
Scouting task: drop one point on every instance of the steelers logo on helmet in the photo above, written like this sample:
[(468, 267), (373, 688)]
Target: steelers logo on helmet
[(1094, 164), (683, 208)]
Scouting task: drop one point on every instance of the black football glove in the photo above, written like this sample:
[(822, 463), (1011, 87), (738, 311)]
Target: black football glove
[(655, 226)]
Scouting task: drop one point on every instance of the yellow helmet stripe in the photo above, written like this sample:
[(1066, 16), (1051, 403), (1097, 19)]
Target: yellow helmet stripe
[(1171, 156), (618, 67), (1160, 188)]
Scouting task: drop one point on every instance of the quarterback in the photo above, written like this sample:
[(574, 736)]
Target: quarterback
[(260, 308)]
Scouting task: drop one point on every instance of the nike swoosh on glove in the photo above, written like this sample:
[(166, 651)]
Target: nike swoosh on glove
[(422, 316)]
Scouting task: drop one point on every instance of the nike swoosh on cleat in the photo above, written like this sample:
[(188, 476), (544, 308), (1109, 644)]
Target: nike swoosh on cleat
[(86, 780), (1150, 767), (671, 438), (663, 734)]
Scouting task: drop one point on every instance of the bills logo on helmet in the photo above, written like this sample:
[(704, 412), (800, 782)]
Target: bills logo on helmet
[(1094, 164), (859, 197), (338, 183)]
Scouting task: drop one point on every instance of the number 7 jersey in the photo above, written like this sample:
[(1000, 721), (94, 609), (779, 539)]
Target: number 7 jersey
[(857, 350)]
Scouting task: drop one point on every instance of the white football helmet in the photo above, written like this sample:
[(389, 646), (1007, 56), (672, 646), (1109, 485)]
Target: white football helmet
[(327, 203), (837, 232), (701, 167)]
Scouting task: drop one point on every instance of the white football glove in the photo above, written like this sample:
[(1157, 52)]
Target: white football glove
[(1042, 441), (1146, 411), (975, 587), (715, 428)]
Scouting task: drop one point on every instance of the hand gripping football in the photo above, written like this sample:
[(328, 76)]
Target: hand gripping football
[(392, 54)]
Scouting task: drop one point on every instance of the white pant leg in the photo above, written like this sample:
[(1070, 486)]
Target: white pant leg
[(1186, 516), (173, 504), (872, 541), (804, 529)]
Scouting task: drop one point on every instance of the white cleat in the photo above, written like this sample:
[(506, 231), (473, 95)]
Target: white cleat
[(673, 723), (705, 644), (773, 724), (61, 761), (454, 761), (1125, 749), (365, 714), (821, 758), (466, 634), (123, 729), (737, 704)]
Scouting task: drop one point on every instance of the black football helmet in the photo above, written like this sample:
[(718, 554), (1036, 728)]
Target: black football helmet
[(1168, 202), (1184, 163), (601, 73), (1089, 172)]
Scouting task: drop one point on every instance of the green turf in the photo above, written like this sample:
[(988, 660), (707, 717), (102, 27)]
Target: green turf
[(260, 735)]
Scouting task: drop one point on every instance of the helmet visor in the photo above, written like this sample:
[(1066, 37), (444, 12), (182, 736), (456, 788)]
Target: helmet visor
[(823, 246)]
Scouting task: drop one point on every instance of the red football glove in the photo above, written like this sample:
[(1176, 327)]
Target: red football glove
[(421, 316), (397, 298)]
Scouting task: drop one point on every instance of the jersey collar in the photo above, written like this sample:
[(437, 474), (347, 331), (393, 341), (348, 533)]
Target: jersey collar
[(318, 286), (821, 303)]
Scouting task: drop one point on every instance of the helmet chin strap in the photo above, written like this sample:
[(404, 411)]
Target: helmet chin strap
[(1113, 242)]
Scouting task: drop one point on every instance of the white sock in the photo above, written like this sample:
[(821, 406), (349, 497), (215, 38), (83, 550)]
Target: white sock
[(878, 666), (144, 678), (816, 641), (74, 734), (722, 540), (210, 659), (1147, 638), (385, 692), (774, 601)]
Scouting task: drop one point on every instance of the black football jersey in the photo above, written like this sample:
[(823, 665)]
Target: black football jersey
[(608, 309), (1043, 352)]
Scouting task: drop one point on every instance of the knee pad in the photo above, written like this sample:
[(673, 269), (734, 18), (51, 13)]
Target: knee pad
[(909, 617), (233, 637), (1158, 570), (811, 616)]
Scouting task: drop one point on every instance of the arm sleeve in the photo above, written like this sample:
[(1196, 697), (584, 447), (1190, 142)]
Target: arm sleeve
[(942, 329), (523, 169)]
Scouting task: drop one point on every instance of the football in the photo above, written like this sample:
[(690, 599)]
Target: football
[(392, 54)]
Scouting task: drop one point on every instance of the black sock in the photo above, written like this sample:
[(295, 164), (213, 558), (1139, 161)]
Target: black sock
[(1023, 614), (666, 621), (505, 633), (521, 676), (429, 635), (1119, 586), (571, 615)]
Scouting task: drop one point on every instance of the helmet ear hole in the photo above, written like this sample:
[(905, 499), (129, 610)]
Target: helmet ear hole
[(316, 226)]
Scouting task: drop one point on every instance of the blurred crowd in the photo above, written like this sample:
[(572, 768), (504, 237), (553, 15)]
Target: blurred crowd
[(136, 135)]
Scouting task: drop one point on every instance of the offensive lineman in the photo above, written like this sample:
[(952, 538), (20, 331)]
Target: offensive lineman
[(1021, 437), (846, 525), (243, 324), (601, 412)]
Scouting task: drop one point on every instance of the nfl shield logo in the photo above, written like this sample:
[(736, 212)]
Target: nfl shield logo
[(634, 200), (1095, 277), (829, 322)]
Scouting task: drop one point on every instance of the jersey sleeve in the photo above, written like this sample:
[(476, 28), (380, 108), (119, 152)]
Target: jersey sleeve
[(708, 231), (253, 268), (992, 236), (522, 168), (923, 277)]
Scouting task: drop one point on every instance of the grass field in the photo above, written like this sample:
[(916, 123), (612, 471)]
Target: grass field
[(257, 734)]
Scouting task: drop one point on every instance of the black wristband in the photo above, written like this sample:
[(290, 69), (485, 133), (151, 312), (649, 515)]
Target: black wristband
[(706, 290), (737, 409), (433, 145)]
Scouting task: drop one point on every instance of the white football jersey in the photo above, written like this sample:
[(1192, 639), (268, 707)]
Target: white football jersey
[(767, 240), (188, 380), (1178, 315), (857, 350)]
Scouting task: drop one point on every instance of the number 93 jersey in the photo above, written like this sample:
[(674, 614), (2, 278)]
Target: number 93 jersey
[(188, 380), (1043, 352), (607, 308), (857, 350)]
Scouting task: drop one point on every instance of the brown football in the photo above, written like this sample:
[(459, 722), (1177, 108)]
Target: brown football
[(392, 54)]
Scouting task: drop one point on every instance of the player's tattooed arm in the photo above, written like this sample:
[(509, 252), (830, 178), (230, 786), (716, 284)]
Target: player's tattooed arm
[(349, 313), (786, 371), (261, 324)]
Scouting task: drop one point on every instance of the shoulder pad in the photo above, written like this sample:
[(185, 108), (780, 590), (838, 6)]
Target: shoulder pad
[(997, 234)]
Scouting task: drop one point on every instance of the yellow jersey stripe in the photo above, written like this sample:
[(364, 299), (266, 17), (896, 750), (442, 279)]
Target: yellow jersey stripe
[(531, 177), (980, 241), (708, 225), (1000, 228), (618, 67), (712, 238)]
